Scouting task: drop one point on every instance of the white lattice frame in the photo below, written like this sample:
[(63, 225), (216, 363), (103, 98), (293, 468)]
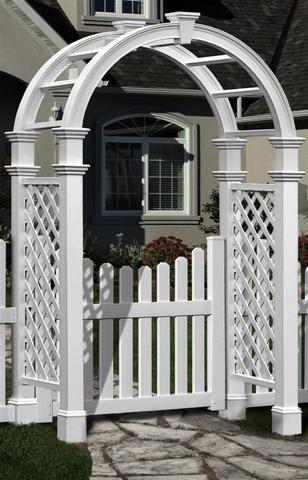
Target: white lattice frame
[(254, 279), (42, 282)]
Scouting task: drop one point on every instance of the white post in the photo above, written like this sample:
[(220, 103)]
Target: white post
[(23, 158), (230, 150), (216, 321), (71, 415), (286, 415)]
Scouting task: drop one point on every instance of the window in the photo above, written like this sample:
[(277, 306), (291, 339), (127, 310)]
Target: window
[(145, 166), (132, 6), (103, 6), (118, 7)]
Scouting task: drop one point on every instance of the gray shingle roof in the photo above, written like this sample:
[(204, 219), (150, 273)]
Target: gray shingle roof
[(292, 68)]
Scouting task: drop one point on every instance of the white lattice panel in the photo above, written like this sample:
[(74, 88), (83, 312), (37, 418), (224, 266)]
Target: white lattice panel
[(254, 275), (42, 282)]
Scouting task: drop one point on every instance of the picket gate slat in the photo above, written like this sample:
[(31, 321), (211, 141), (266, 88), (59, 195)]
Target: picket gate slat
[(300, 325), (88, 329), (126, 336), (180, 327), (145, 334), (2, 326), (198, 330), (305, 317), (106, 366), (163, 332)]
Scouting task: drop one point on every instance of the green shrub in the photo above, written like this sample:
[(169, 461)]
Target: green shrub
[(92, 246), (211, 210), (121, 254), (33, 452)]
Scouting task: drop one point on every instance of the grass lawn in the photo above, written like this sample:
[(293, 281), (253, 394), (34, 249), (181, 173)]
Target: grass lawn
[(34, 453)]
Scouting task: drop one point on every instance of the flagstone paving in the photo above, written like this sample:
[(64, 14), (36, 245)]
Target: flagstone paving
[(190, 445)]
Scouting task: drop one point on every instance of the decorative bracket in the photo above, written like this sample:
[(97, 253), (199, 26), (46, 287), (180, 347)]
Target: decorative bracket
[(186, 22)]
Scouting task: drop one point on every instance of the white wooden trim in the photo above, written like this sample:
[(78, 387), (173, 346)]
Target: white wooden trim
[(145, 335), (260, 399), (2, 318), (7, 315), (6, 413), (163, 331), (151, 403), (40, 383), (252, 133), (211, 60), (254, 187), (162, 308), (239, 92), (256, 381), (41, 181)]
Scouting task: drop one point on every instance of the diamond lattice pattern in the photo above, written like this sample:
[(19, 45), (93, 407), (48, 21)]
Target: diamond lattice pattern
[(254, 273), (42, 282)]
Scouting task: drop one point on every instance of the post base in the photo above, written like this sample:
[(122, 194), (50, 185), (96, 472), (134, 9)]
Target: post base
[(235, 408), (287, 420), (24, 410), (72, 426)]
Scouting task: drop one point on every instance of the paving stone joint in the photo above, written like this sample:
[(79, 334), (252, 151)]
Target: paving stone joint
[(190, 445)]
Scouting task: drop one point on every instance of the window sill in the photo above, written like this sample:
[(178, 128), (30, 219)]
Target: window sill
[(102, 20), (146, 220), (169, 220)]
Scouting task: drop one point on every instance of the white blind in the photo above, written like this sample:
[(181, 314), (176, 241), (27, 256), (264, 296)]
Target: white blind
[(166, 176)]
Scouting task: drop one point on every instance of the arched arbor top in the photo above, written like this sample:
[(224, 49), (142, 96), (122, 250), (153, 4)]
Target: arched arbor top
[(102, 51)]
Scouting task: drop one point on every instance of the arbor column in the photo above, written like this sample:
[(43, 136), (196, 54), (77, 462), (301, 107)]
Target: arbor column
[(286, 415), (71, 416), (23, 398), (230, 151)]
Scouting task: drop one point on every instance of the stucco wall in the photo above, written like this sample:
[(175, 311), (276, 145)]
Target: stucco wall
[(21, 55), (259, 158)]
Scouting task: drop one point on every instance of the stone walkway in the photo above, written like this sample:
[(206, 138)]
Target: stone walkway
[(191, 445)]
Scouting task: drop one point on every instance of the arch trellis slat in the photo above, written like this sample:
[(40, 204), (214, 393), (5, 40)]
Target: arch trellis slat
[(253, 318)]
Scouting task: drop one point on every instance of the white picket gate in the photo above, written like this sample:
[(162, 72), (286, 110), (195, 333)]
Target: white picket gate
[(7, 318), (197, 363)]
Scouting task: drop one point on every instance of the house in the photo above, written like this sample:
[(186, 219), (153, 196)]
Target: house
[(150, 145)]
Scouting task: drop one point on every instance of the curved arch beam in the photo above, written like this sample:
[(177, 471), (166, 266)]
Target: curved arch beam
[(122, 44), (147, 36), (33, 96)]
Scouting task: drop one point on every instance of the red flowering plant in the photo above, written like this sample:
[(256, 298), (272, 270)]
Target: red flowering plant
[(164, 249), (303, 258), (303, 249)]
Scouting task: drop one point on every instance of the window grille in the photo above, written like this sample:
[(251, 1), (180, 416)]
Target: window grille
[(144, 165)]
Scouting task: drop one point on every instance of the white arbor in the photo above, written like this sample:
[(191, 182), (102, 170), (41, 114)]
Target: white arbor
[(245, 352)]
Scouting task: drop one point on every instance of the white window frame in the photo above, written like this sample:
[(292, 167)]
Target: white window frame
[(149, 12), (189, 173)]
